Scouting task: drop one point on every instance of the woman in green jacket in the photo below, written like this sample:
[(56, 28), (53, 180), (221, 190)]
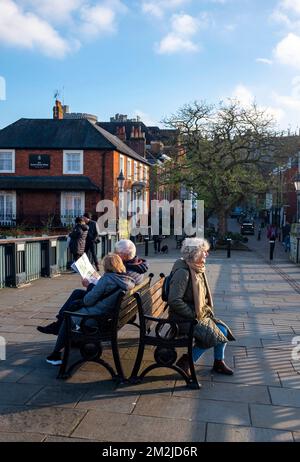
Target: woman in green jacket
[(190, 298)]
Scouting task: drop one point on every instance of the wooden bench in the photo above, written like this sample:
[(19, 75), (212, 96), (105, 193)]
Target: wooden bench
[(95, 329), (157, 331)]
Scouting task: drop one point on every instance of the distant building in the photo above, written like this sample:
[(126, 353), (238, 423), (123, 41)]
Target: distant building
[(55, 169)]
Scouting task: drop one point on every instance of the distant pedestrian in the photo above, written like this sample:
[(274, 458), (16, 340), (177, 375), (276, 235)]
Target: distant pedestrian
[(92, 239), (157, 239), (287, 243), (78, 238), (272, 233)]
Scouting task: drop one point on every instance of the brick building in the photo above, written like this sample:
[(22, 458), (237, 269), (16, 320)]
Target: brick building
[(55, 169)]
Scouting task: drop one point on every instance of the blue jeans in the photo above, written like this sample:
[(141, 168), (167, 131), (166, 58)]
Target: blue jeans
[(219, 350)]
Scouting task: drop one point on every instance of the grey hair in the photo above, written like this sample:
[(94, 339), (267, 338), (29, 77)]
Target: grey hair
[(126, 247), (193, 247)]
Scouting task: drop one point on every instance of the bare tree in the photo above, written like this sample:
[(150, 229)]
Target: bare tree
[(225, 153)]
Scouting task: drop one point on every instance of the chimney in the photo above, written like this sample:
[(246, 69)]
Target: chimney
[(121, 133), (58, 112)]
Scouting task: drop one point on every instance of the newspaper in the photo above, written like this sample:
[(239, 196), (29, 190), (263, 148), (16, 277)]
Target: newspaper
[(84, 267)]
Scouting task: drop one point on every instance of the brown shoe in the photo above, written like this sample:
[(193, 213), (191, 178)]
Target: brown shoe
[(220, 367), (183, 363)]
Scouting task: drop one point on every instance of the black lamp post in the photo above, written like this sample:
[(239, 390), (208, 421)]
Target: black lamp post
[(121, 181), (297, 187)]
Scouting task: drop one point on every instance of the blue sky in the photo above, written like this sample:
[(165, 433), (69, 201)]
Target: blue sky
[(148, 57)]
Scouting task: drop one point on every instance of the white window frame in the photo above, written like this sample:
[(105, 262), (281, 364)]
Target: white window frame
[(68, 219), (141, 172), (129, 169), (122, 164), (12, 219), (13, 153), (65, 162), (135, 171)]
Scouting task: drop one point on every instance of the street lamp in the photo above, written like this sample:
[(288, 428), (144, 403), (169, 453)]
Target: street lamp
[(121, 181), (297, 187)]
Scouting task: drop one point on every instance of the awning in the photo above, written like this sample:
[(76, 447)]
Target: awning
[(48, 183)]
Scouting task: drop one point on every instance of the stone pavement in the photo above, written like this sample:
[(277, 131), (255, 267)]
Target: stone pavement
[(260, 402)]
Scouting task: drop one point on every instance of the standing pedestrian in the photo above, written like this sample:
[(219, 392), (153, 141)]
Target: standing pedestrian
[(78, 238), (157, 242), (92, 239)]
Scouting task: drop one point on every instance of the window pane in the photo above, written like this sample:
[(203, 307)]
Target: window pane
[(73, 162), (6, 161)]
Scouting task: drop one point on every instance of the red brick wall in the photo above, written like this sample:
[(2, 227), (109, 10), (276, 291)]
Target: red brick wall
[(36, 206)]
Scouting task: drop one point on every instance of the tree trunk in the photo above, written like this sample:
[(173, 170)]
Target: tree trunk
[(222, 221)]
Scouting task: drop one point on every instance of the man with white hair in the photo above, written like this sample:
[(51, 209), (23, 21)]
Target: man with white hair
[(135, 268)]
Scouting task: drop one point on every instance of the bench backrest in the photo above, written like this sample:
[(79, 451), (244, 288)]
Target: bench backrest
[(128, 303), (151, 303)]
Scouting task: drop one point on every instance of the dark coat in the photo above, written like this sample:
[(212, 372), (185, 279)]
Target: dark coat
[(93, 233), (181, 306), (136, 269), (78, 239), (101, 300)]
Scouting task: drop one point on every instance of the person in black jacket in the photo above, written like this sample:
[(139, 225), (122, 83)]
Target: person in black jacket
[(92, 239), (78, 237)]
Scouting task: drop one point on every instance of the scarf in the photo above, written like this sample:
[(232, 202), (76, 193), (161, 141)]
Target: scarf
[(199, 293)]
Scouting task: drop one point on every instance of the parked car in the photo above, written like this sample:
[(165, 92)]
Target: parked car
[(247, 227)]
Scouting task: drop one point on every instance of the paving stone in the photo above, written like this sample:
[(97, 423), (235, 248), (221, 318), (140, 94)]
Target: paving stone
[(124, 427), (276, 417), (194, 409), (64, 395), (10, 375), (15, 393), (51, 421), (19, 437), (285, 397), (239, 434), (225, 392)]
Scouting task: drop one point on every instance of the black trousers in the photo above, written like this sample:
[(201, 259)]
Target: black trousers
[(90, 250)]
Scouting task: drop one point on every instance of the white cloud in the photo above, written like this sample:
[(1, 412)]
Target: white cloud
[(246, 97), (242, 94), (172, 43), (183, 28), (288, 50), (264, 61), (96, 20), (158, 7), (290, 5), (56, 11), (184, 24), (26, 30), (56, 27)]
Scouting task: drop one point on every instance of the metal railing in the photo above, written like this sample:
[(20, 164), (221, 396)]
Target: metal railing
[(27, 259)]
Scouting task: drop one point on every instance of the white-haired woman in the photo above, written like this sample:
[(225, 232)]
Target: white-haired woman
[(190, 298)]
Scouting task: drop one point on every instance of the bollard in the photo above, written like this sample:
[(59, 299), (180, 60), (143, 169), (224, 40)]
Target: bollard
[(259, 235), (272, 247), (146, 246), (297, 257), (228, 247)]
